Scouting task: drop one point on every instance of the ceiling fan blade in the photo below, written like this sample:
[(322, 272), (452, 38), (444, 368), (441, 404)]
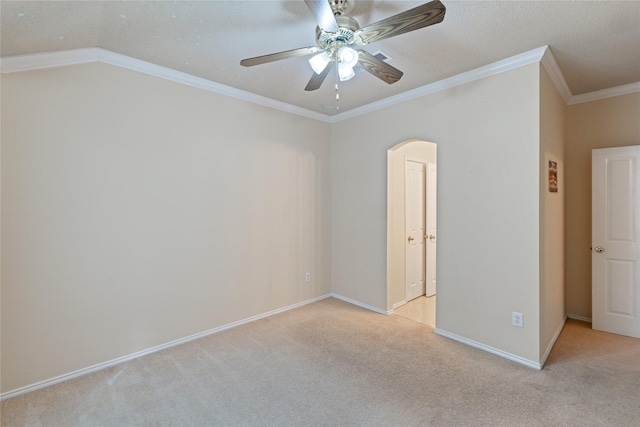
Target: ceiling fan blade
[(316, 80), (410, 20), (323, 14), (378, 67), (250, 62)]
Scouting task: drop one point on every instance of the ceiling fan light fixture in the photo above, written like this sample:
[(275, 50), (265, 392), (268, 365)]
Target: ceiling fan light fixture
[(345, 73), (319, 62), (347, 57)]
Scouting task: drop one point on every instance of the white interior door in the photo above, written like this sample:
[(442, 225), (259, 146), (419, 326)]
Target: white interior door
[(414, 229), (615, 239), (430, 241)]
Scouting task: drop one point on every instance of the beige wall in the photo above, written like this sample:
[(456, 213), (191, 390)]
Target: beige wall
[(552, 213), (611, 122), (487, 133), (136, 211)]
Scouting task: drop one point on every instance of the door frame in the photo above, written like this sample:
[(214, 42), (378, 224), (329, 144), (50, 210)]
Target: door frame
[(426, 152), (431, 228)]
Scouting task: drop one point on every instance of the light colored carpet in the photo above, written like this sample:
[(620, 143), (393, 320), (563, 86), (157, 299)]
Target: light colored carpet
[(421, 309), (334, 364)]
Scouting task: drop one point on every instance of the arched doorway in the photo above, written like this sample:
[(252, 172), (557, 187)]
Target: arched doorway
[(407, 164)]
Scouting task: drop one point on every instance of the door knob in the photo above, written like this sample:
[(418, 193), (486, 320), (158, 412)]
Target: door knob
[(410, 238), (431, 237), (599, 249)]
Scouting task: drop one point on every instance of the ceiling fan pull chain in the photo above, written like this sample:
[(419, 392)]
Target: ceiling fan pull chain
[(337, 61)]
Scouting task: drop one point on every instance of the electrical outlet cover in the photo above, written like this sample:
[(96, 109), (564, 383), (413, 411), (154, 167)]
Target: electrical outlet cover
[(516, 319)]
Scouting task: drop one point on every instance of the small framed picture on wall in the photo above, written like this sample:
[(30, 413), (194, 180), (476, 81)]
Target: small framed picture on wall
[(553, 176)]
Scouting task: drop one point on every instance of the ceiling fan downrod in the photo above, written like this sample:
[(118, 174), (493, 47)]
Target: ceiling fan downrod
[(341, 7)]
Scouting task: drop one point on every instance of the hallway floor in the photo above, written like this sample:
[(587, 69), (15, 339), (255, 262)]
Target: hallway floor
[(421, 309)]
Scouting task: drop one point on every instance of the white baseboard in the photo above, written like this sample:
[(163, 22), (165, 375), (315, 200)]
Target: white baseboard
[(552, 342), (398, 304), (360, 304), (100, 366), (581, 318), (489, 349)]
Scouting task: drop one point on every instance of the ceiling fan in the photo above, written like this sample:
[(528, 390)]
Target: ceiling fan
[(337, 34)]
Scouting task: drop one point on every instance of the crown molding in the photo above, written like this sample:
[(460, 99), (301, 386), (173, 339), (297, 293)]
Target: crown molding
[(36, 61), (549, 63), (605, 93), (13, 64), (542, 54), (498, 67)]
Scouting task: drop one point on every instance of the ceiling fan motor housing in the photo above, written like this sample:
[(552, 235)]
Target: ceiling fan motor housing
[(345, 36)]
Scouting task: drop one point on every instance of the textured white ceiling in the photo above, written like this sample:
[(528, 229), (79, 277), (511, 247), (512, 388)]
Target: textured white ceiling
[(596, 43)]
